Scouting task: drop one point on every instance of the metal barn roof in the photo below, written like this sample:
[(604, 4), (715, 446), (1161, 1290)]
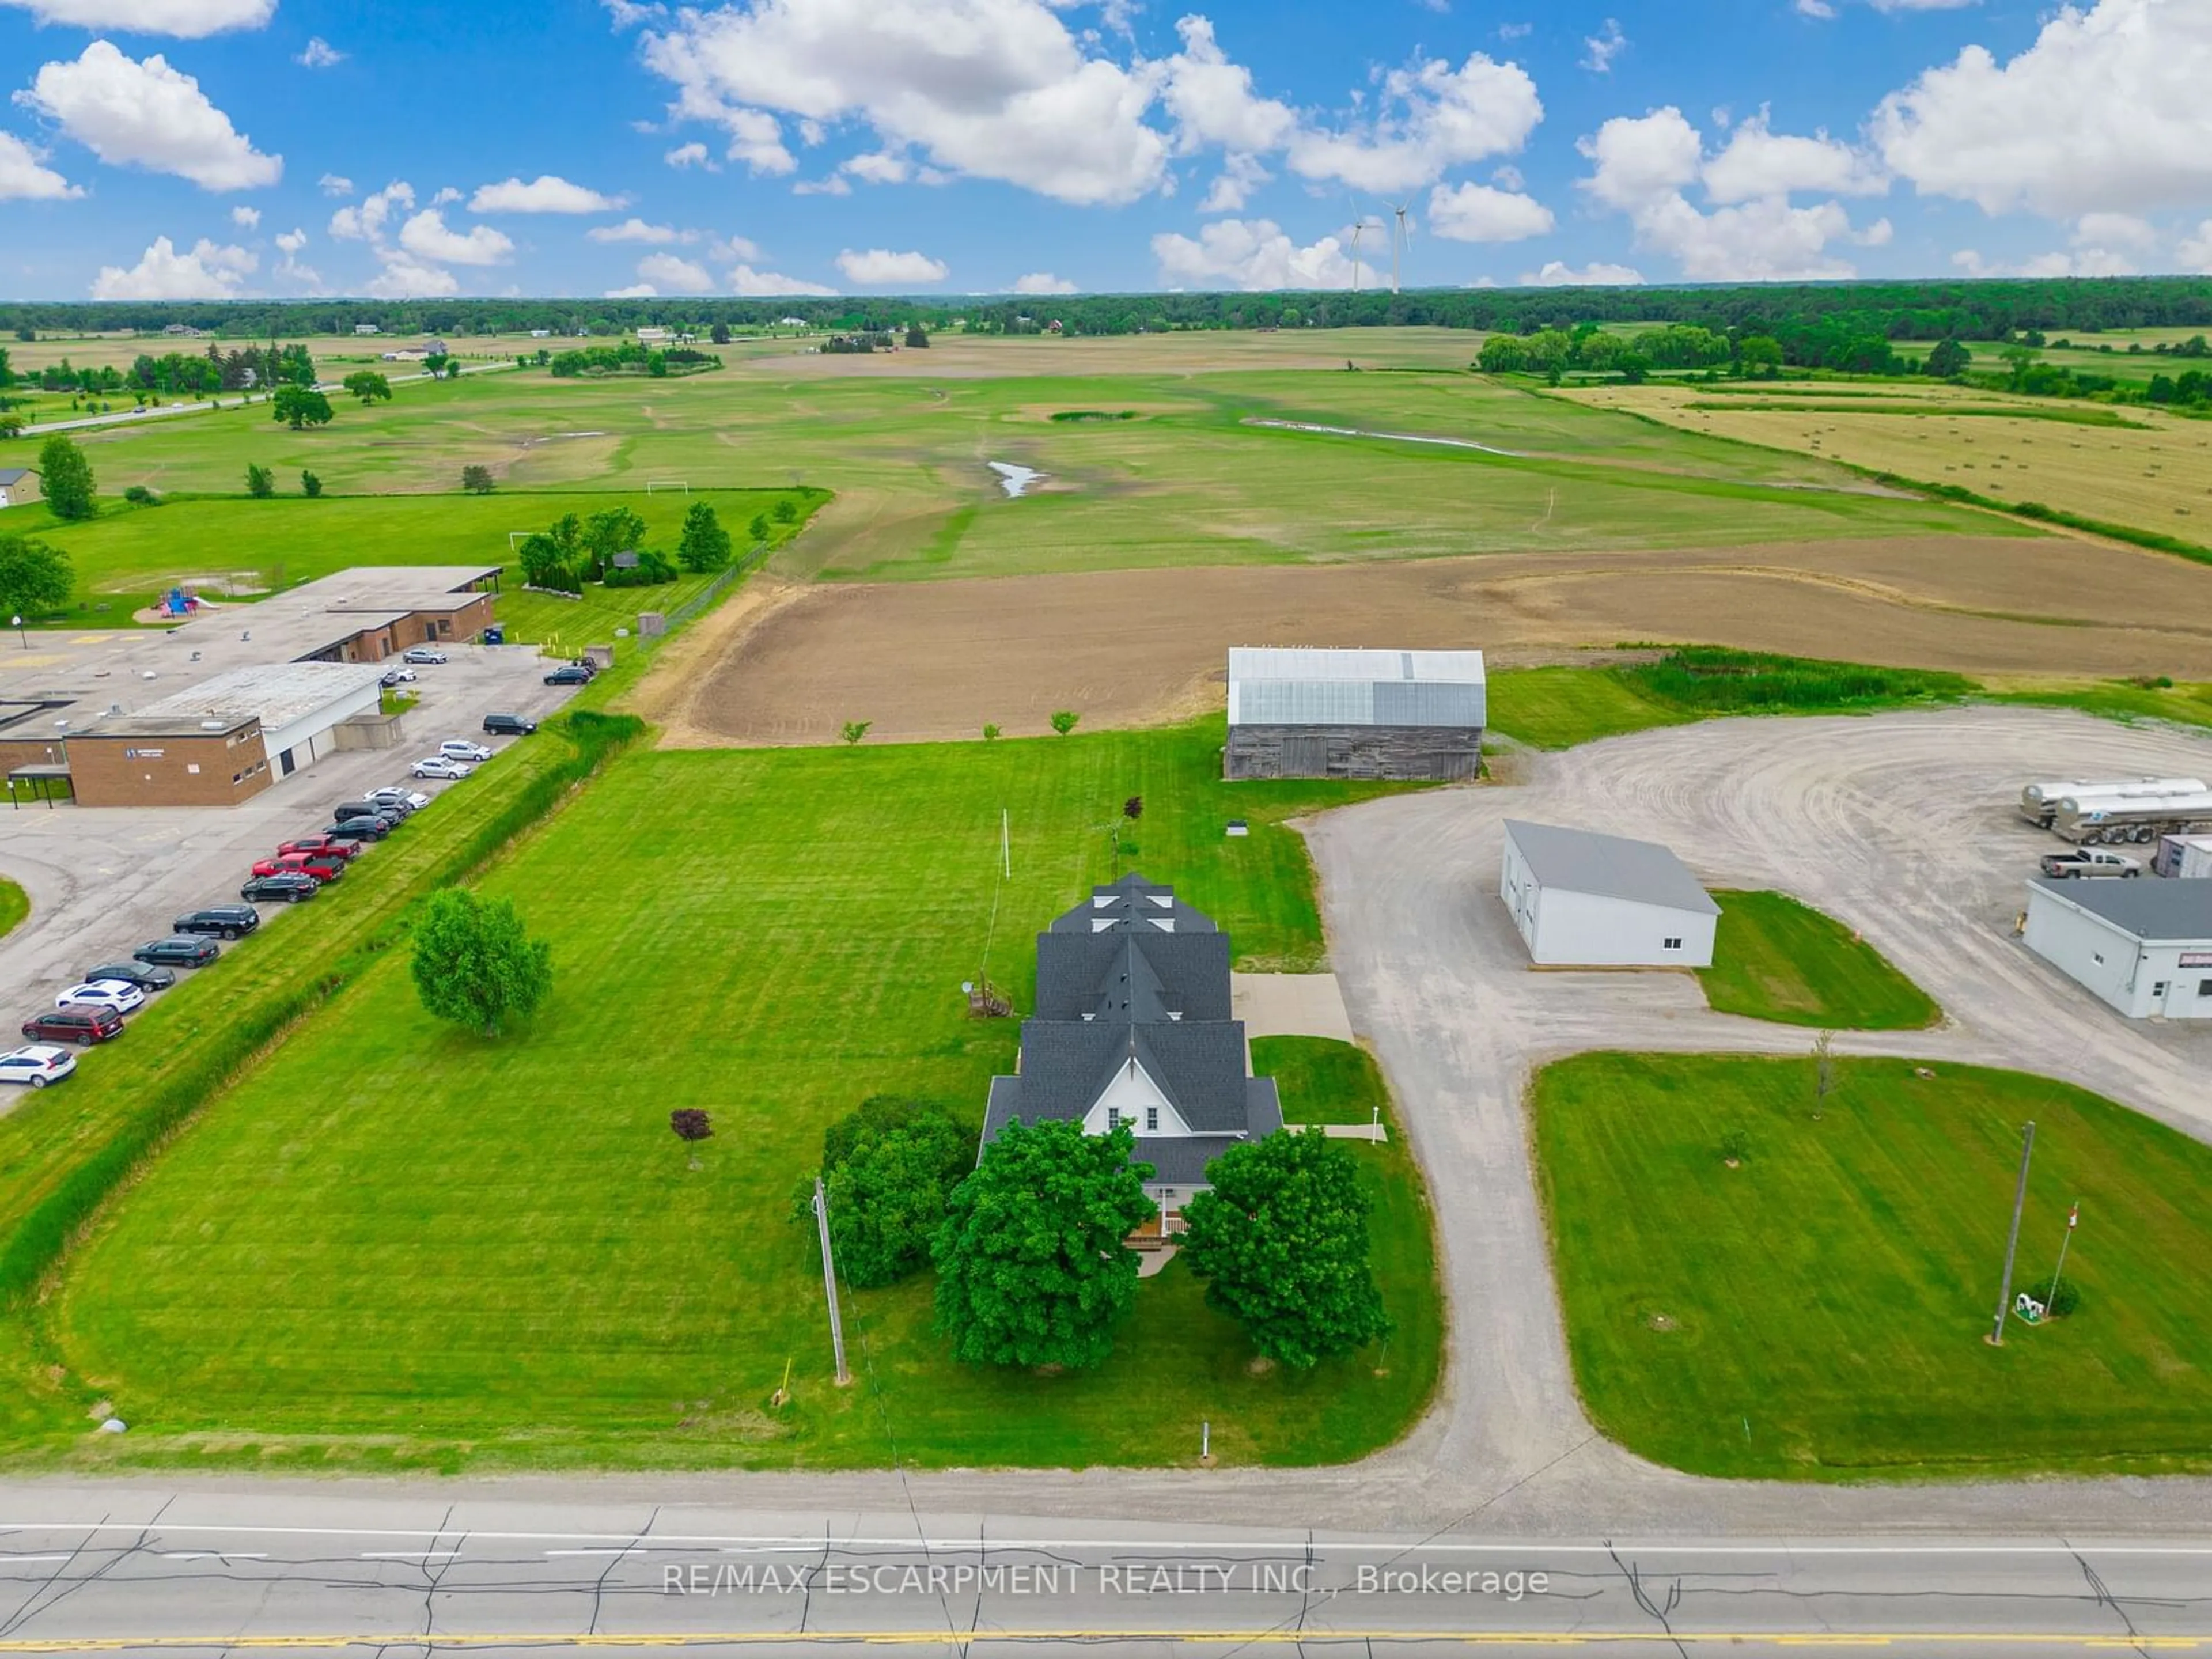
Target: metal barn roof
[(2164, 909), (1609, 866), (1270, 685)]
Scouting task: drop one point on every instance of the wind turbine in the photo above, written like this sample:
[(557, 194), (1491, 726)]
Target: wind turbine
[(1398, 243), (1359, 224)]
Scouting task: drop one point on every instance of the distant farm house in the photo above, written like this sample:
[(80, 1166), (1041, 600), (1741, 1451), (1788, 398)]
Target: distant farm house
[(1298, 713)]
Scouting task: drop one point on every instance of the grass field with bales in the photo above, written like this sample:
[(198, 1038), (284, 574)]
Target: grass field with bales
[(1815, 1309), (397, 1244)]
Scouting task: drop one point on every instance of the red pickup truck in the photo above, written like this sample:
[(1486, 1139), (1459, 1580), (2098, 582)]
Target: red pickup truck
[(323, 866)]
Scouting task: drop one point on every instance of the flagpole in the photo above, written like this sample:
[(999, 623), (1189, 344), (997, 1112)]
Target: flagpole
[(2073, 1220)]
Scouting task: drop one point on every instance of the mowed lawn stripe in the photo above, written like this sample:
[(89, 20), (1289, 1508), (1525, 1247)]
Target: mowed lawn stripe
[(1776, 958), (1818, 1312), (496, 1251)]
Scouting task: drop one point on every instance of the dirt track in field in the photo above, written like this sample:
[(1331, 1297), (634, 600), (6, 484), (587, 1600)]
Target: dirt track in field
[(929, 660)]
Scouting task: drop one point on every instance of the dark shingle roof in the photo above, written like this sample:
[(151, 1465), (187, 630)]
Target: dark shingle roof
[(1080, 974), (1610, 866), (1133, 903), (2149, 909)]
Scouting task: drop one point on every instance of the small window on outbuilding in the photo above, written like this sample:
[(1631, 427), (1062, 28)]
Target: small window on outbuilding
[(1670, 943)]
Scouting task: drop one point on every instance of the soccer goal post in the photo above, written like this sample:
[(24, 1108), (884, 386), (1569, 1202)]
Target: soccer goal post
[(652, 485)]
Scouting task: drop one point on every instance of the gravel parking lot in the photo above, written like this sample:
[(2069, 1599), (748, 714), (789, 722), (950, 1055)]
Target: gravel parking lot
[(102, 881)]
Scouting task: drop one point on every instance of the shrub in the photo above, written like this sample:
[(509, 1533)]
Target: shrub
[(2060, 1297), (139, 496)]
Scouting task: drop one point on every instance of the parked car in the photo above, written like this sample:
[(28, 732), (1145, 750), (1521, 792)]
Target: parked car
[(82, 1026), (123, 998), (364, 808), (181, 951), (508, 725), (344, 849), (2090, 861), (569, 674), (359, 830), (135, 973), (460, 749), (280, 887), (37, 1065), (323, 866), (421, 653), (437, 765), (398, 675), (407, 800), (229, 920)]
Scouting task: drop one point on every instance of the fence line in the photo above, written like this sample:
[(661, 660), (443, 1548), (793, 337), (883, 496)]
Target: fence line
[(714, 589)]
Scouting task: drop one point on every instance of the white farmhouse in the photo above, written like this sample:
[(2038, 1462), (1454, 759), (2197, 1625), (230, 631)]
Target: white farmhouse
[(2143, 946), (1583, 900)]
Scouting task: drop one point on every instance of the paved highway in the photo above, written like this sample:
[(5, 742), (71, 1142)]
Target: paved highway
[(92, 1569)]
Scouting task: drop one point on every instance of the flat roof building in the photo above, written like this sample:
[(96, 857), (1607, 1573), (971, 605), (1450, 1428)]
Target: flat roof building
[(2144, 946), (1298, 712), (1580, 899)]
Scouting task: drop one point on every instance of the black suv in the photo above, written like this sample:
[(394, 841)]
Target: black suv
[(290, 886), (183, 951), (347, 810), (229, 921), (573, 673), (508, 725), (134, 973), (375, 828)]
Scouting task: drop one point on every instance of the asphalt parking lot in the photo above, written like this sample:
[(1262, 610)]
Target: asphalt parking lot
[(102, 881)]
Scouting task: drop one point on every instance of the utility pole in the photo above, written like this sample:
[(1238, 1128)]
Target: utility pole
[(830, 1281), (2012, 1243)]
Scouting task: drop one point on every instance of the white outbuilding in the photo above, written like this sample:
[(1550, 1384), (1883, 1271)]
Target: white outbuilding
[(1583, 900), (2143, 946)]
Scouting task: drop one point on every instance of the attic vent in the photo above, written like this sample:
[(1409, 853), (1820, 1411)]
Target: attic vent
[(212, 726), (1175, 1013)]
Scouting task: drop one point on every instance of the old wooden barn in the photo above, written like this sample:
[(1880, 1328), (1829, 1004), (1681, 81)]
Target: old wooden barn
[(1303, 713)]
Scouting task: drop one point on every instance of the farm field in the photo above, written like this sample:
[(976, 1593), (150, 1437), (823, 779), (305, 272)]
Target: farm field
[(1818, 1312), (2158, 478), (1134, 648), (396, 1244), (905, 443), (1775, 958)]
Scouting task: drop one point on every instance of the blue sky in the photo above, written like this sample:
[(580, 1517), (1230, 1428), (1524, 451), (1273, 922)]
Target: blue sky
[(187, 148)]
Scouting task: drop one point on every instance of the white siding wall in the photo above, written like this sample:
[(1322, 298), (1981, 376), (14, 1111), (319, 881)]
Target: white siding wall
[(1586, 930), (1522, 897), (2116, 968), (1132, 1093), (309, 736)]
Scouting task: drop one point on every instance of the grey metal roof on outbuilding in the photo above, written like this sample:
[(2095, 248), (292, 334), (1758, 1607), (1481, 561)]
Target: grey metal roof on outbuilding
[(1609, 866), (1303, 686), (2149, 908), (14, 474)]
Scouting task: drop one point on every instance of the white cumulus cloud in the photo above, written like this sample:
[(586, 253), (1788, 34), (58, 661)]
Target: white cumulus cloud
[(333, 184), (1601, 48), (1478, 213), (634, 230), (668, 271), (1043, 281), (635, 291), (364, 222), (427, 237), (1429, 118), (245, 218), (2105, 112), (1759, 162), (693, 155), (188, 20), (147, 114), (881, 268), (1251, 254), (205, 272), (289, 242), (762, 284), (403, 278), (319, 54), (544, 194), (24, 178), (1596, 274)]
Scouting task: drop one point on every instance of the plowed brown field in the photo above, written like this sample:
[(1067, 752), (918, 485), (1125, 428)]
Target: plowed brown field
[(929, 660)]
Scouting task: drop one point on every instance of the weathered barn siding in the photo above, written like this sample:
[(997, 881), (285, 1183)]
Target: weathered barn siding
[(1354, 751)]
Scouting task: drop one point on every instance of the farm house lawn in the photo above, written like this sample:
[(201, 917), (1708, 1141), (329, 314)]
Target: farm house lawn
[(398, 1245), (15, 905), (1818, 1313), (127, 555), (1322, 1080), (1776, 959)]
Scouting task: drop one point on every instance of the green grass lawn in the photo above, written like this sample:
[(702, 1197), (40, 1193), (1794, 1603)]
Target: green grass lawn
[(15, 905), (1818, 1313), (2123, 701), (127, 555), (1322, 1080), (395, 1244), (1776, 959), (1560, 707)]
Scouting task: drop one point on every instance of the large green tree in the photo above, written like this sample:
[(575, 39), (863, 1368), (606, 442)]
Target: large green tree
[(475, 964), (617, 530), (1948, 360), (65, 479), (35, 578), (1280, 1239), (299, 406), (1032, 1265), (706, 544), (368, 385), (888, 1169)]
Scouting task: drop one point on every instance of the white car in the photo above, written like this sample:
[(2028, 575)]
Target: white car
[(460, 749), (421, 653), (119, 995), (413, 799), (438, 767), (37, 1065)]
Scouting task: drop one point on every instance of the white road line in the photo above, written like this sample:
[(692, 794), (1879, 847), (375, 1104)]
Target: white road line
[(214, 1555), (28, 1560), (409, 1555)]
